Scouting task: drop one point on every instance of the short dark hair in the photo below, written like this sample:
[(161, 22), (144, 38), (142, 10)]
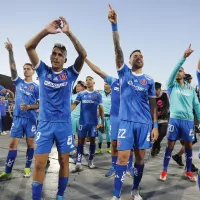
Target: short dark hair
[(82, 83), (62, 47), (187, 77), (137, 50), (158, 85), (29, 64), (90, 77)]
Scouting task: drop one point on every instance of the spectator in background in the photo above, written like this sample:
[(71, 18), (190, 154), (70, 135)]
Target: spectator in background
[(163, 117), (4, 106)]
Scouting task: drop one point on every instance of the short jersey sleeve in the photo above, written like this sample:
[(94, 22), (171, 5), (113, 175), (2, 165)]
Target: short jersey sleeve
[(151, 90), (41, 68), (17, 80), (78, 97), (100, 99), (123, 70), (110, 80), (72, 73)]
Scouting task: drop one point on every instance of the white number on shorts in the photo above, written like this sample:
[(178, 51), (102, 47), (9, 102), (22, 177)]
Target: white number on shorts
[(80, 127), (148, 137), (191, 134), (170, 128), (121, 133), (69, 140), (37, 137), (33, 129)]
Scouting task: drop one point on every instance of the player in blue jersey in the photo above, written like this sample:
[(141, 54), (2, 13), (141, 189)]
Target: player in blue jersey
[(138, 111), (90, 102), (4, 92), (114, 120), (24, 122), (4, 106), (80, 86), (56, 85), (183, 100)]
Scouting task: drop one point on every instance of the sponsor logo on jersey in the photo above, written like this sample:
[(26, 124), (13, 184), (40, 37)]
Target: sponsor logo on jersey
[(88, 101), (137, 88), (55, 85), (25, 92), (143, 82), (116, 88), (63, 76)]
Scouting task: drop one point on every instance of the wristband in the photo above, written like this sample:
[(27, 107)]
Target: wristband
[(155, 124), (114, 27), (102, 121)]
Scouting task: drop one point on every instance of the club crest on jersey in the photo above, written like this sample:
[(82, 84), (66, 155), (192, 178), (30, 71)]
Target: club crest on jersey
[(143, 82), (95, 96), (30, 88), (63, 77), (49, 76), (118, 143)]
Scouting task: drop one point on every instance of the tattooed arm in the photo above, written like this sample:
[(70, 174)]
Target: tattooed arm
[(79, 48), (119, 56), (8, 46)]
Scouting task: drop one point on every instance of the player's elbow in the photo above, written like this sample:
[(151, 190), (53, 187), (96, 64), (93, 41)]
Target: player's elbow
[(83, 54)]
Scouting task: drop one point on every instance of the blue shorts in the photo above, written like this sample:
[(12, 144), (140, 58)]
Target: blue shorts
[(132, 135), (87, 131), (23, 126), (114, 127), (180, 129), (48, 132)]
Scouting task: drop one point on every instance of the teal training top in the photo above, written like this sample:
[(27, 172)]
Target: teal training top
[(182, 99)]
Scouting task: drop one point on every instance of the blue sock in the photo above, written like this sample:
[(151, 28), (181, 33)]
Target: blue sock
[(62, 184), (12, 154), (130, 161), (119, 179), (199, 181), (29, 157), (114, 161), (92, 151), (188, 158), (79, 153), (138, 173), (36, 190), (167, 157)]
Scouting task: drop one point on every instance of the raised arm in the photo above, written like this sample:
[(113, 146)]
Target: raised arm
[(31, 45), (79, 48), (13, 69), (96, 69), (119, 56), (172, 76)]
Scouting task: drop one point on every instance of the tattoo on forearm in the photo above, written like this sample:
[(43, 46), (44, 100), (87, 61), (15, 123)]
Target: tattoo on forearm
[(12, 65), (118, 50)]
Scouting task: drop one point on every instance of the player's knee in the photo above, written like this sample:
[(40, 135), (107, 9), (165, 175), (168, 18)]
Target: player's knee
[(40, 165), (12, 145), (63, 161), (123, 158), (171, 144)]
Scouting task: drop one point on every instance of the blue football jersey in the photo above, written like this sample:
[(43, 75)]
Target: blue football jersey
[(1, 93), (25, 93), (90, 102), (198, 79), (135, 90), (115, 95), (55, 93), (3, 107)]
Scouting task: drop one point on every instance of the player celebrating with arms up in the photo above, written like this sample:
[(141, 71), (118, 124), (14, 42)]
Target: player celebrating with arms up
[(24, 122), (54, 114), (137, 106)]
